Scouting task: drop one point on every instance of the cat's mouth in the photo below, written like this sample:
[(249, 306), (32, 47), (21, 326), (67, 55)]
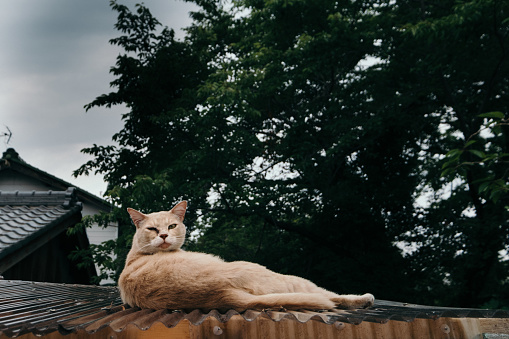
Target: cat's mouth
[(164, 245)]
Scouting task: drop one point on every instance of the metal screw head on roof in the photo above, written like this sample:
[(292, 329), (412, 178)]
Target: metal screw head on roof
[(445, 328), (339, 325), (217, 330)]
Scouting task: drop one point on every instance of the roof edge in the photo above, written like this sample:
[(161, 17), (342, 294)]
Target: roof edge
[(11, 160), (67, 198), (38, 238)]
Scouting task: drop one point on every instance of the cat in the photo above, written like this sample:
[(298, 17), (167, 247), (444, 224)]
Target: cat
[(158, 274)]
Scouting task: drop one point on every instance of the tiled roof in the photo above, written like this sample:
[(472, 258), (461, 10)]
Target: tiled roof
[(26, 216), (41, 308), (11, 161)]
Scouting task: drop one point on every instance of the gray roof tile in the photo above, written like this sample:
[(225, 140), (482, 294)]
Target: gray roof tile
[(11, 161), (25, 215), (7, 239)]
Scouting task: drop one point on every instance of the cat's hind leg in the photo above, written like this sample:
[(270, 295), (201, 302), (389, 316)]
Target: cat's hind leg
[(350, 301), (290, 301)]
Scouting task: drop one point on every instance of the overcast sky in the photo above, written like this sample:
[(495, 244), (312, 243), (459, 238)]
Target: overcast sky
[(55, 58)]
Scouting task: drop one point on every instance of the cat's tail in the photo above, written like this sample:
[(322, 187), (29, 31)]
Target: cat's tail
[(289, 301)]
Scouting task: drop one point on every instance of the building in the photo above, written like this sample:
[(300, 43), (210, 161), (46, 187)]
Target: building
[(18, 175), (33, 240)]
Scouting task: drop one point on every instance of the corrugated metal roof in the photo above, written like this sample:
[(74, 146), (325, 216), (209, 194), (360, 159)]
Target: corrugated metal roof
[(41, 308), (25, 216)]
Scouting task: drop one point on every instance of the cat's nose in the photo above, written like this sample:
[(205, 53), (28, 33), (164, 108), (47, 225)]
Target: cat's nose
[(164, 236)]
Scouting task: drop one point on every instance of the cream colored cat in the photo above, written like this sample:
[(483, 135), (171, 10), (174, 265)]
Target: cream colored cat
[(158, 274)]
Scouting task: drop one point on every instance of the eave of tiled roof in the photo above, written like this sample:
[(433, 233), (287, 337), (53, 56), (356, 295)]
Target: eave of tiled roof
[(11, 161), (30, 219), (42, 308)]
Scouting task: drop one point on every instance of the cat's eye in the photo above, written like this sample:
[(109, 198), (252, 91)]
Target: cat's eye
[(172, 226), (152, 229)]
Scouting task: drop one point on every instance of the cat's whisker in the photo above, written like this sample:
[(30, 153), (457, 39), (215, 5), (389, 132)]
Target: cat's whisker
[(143, 247)]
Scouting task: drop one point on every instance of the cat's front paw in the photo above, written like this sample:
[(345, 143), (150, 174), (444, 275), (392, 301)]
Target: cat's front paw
[(353, 301), (367, 300)]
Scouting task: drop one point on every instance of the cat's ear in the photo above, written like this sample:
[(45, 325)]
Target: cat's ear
[(136, 216), (180, 210)]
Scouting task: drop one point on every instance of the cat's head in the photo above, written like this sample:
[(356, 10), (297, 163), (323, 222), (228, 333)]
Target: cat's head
[(159, 231)]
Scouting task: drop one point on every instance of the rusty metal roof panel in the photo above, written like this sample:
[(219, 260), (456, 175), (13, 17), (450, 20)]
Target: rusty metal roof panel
[(41, 308)]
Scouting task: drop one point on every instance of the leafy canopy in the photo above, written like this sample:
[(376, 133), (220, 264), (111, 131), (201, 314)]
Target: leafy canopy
[(311, 136)]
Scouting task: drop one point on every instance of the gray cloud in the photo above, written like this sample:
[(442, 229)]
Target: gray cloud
[(55, 59)]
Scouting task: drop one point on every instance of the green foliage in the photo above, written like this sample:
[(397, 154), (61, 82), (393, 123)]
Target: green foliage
[(311, 136), (491, 159)]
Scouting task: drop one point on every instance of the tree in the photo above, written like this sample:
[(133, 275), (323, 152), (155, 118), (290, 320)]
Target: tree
[(455, 53), (302, 133)]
